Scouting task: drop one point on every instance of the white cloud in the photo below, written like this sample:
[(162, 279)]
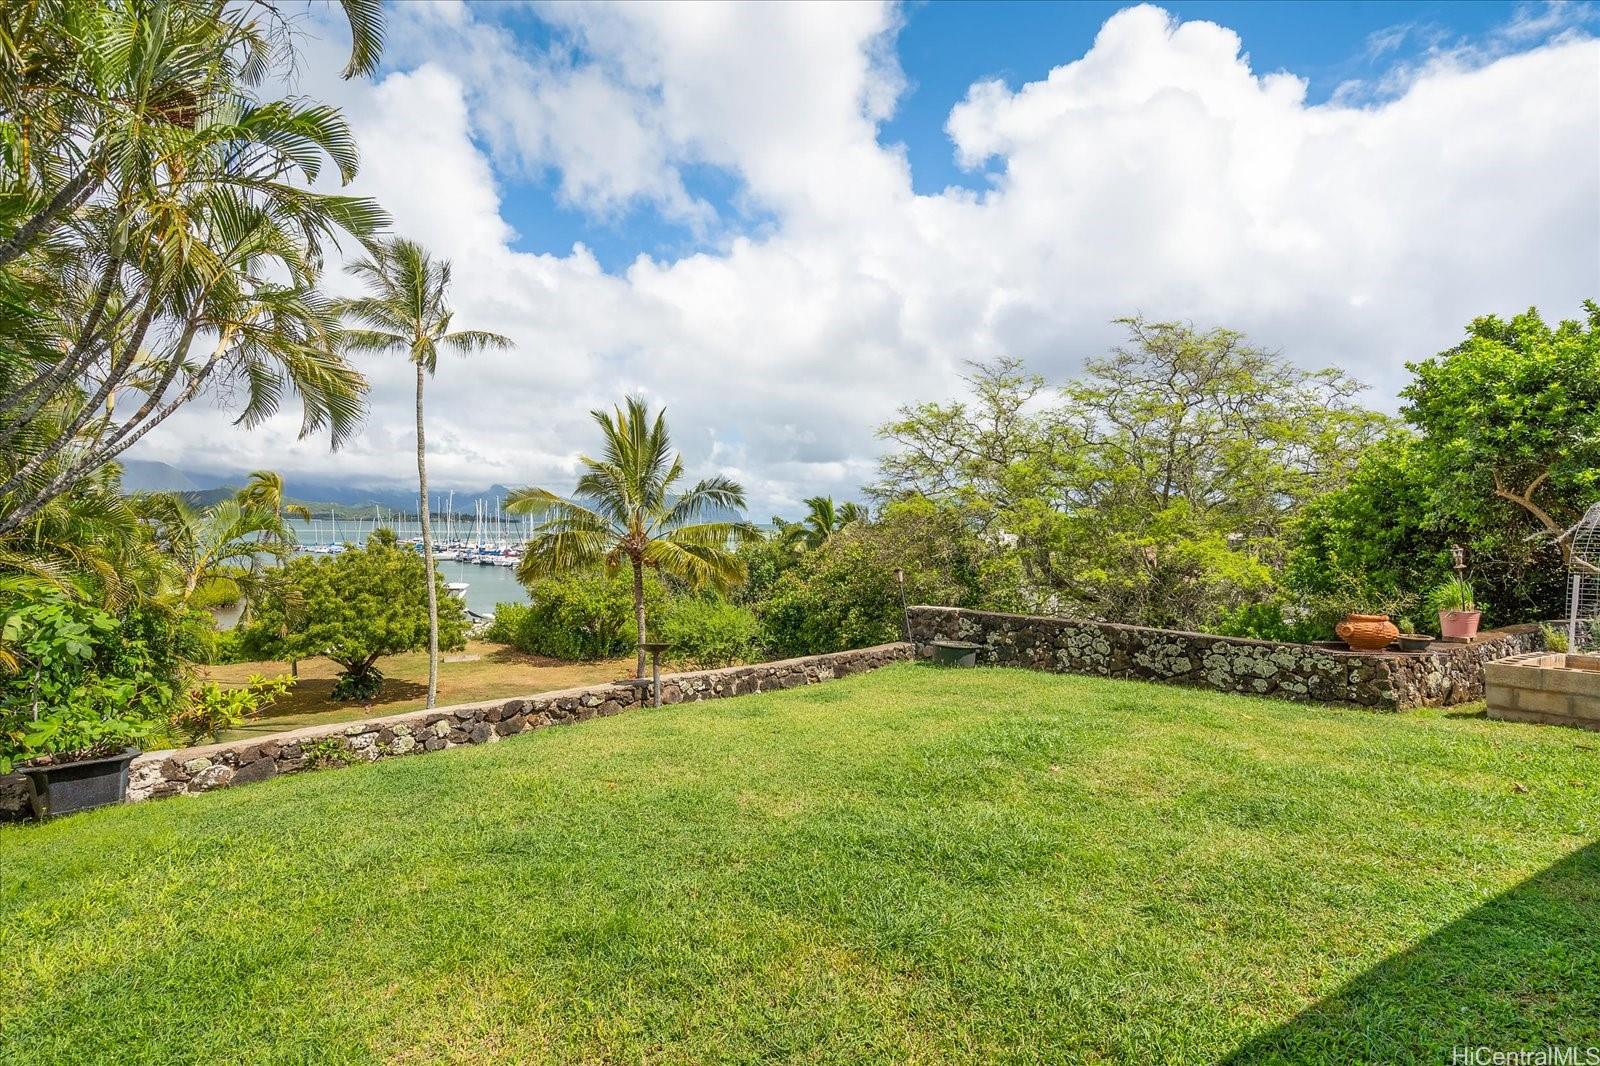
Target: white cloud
[(1155, 173)]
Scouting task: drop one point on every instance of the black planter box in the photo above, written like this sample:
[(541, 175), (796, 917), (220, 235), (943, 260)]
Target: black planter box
[(64, 788), (955, 653)]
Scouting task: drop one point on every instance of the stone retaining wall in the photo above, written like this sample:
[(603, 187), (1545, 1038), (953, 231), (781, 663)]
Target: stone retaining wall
[(1446, 674), (1553, 688), (158, 774)]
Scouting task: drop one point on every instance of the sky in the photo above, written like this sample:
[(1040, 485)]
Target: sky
[(786, 221)]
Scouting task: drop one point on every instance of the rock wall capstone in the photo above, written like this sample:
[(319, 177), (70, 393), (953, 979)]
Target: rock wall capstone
[(1444, 675), (159, 774)]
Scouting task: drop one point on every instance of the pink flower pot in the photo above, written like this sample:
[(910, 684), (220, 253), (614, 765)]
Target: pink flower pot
[(1459, 625)]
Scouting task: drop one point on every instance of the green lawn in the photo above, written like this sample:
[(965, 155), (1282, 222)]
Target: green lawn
[(912, 865)]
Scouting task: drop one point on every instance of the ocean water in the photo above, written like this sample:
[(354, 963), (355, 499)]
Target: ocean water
[(486, 585)]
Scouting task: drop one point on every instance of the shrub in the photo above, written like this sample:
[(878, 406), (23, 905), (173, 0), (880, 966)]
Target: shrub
[(709, 632), (85, 682), (843, 594), (213, 707), (583, 616), (508, 618), (215, 593)]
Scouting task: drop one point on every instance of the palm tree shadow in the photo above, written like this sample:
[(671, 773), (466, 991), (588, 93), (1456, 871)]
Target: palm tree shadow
[(1520, 971)]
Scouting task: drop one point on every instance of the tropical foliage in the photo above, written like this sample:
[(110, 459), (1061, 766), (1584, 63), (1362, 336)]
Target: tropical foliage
[(158, 231), (628, 513), (578, 615), (82, 681)]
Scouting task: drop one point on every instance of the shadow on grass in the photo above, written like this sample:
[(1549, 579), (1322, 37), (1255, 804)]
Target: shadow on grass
[(314, 695), (1520, 971)]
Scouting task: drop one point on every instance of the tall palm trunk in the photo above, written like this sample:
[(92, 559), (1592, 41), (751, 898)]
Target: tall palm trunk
[(427, 550), (638, 613)]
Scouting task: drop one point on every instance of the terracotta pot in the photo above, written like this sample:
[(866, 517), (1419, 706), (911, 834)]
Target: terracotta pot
[(1367, 632), (1459, 625)]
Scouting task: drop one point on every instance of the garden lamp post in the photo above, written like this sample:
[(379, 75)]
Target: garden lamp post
[(905, 612)]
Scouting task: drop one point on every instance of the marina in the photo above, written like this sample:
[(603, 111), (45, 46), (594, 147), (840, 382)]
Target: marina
[(477, 554)]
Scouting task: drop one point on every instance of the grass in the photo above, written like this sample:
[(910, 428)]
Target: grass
[(484, 670), (912, 865)]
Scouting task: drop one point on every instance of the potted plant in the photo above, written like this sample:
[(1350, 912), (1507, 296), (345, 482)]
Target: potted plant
[(85, 689), (1458, 611), (1410, 639)]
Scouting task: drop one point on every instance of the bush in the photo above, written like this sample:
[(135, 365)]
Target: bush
[(582, 616), (708, 632), (843, 594), (213, 707), (508, 618), (86, 682)]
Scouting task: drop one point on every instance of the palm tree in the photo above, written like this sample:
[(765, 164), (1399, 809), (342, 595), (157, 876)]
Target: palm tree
[(408, 310), (220, 541), (625, 509), (823, 519), (157, 203)]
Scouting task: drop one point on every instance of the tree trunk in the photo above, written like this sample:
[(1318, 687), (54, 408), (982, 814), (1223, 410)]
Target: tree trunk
[(638, 612), (427, 550)]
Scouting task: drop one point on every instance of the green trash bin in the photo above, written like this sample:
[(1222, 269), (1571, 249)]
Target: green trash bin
[(955, 653)]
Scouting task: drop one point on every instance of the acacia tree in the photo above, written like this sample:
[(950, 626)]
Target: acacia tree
[(1158, 486), (407, 310), (158, 235), (626, 511)]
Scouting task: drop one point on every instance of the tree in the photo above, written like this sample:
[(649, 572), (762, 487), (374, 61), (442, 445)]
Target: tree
[(264, 490), (1158, 487), (407, 309), (1511, 416), (157, 232), (823, 519), (354, 607), (223, 540), (844, 594), (625, 510)]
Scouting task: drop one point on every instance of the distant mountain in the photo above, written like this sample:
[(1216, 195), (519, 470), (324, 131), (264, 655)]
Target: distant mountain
[(143, 475), (204, 489)]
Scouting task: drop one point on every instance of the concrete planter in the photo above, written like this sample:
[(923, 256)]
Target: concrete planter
[(1554, 688)]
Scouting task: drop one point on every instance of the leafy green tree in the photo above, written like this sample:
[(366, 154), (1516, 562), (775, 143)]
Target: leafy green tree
[(407, 309), (1511, 417), (159, 232), (1158, 487), (844, 594), (627, 511), (353, 608)]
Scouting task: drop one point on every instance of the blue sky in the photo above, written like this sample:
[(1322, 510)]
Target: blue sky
[(1440, 163), (945, 46)]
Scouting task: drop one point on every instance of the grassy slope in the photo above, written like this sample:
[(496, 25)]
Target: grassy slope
[(483, 670), (912, 865)]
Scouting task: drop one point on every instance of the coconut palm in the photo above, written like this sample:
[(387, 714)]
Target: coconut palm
[(625, 510), (408, 310), (160, 232), (823, 519)]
